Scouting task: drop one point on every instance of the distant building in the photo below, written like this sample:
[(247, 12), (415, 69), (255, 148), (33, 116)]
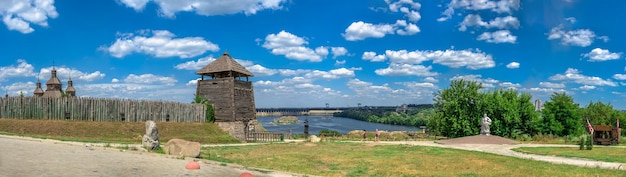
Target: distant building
[(538, 105), (54, 87)]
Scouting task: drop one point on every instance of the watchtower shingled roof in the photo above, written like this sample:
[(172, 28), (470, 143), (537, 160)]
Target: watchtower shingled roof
[(53, 86), (223, 66)]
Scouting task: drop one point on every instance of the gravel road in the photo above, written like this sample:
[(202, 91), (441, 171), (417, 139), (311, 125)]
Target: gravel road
[(22, 156)]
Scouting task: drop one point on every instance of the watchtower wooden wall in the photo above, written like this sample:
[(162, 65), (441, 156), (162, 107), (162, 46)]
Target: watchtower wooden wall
[(233, 100)]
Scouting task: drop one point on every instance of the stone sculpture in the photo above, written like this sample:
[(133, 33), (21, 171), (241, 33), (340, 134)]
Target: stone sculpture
[(150, 140), (484, 125)]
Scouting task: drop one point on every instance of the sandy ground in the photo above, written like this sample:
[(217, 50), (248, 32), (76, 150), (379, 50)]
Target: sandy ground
[(21, 156)]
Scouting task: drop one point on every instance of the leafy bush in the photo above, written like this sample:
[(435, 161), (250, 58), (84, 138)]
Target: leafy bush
[(327, 133)]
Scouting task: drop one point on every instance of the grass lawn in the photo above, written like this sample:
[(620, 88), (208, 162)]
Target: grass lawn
[(113, 132), (357, 159), (607, 154)]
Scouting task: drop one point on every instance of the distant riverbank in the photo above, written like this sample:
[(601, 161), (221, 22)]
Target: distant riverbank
[(340, 124)]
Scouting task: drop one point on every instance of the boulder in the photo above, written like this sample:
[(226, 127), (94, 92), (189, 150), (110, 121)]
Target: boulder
[(314, 139), (150, 140), (182, 148)]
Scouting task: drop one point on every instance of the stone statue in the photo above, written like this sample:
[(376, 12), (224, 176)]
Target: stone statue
[(484, 125), (151, 139)]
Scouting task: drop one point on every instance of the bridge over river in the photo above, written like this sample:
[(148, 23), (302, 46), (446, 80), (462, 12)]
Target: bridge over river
[(313, 111)]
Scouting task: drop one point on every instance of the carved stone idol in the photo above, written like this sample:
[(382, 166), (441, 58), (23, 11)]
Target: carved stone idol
[(484, 125)]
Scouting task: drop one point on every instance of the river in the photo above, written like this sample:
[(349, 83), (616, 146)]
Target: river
[(340, 124)]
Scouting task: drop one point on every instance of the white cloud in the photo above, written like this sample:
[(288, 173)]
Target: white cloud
[(599, 54), (292, 46), (23, 69), (371, 56), (430, 79), (169, 8), (338, 51), (332, 74), (573, 75), (150, 79), (193, 82), (340, 62), (195, 65), (396, 69), (502, 6), (512, 65), (411, 12), (502, 36), (507, 22), (470, 58), (19, 14), (586, 87), (115, 80), (619, 76), (161, 44), (551, 85), (571, 20), (510, 85), (418, 84), (76, 75), (581, 37), (259, 70), (361, 30)]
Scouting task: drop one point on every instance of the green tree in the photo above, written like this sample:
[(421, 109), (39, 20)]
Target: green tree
[(599, 113), (561, 116), (460, 109), (210, 112)]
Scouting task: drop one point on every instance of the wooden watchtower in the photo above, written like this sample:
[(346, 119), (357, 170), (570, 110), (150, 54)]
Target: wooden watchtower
[(224, 83)]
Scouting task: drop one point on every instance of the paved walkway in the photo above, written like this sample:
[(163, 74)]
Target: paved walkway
[(23, 156)]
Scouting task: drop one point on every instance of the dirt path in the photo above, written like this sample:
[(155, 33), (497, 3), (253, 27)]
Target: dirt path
[(21, 156)]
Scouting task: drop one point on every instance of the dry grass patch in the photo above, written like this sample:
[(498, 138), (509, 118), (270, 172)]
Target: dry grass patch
[(357, 159), (115, 132)]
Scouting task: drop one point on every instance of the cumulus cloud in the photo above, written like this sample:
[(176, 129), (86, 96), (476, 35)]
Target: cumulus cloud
[(332, 74), (160, 44), (23, 69), (470, 58), (507, 22), (509, 85), (338, 51), (408, 7), (195, 65), (580, 37), (371, 56), (18, 15), (430, 79), (502, 36), (293, 47), (586, 87), (619, 76), (551, 85), (65, 73), (599, 54), (169, 8), (361, 30), (573, 75), (512, 65), (502, 6), (396, 69), (150, 79)]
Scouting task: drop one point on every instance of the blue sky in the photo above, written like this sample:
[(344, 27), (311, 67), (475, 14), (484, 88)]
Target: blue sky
[(309, 53)]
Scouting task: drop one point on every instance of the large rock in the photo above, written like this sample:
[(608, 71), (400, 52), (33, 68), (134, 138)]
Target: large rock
[(182, 148), (314, 139), (150, 140)]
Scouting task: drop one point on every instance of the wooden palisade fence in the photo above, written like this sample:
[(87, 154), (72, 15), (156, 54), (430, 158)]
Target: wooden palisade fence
[(100, 109)]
